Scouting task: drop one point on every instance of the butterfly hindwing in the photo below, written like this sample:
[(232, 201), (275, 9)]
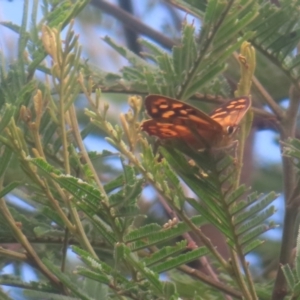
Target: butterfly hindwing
[(232, 112)]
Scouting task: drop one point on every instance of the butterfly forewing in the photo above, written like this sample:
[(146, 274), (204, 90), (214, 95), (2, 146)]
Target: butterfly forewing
[(165, 108), (173, 119)]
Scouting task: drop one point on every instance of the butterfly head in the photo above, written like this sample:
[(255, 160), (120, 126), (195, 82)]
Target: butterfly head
[(231, 129)]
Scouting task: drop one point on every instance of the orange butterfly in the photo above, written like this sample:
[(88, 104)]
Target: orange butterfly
[(176, 120)]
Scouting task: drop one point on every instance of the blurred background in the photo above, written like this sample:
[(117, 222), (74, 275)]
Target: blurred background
[(160, 23)]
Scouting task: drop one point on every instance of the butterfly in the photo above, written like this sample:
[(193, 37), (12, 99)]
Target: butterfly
[(175, 120)]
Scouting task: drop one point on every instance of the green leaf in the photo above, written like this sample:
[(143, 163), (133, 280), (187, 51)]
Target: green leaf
[(93, 275), (49, 129), (186, 53), (251, 246), (151, 82), (164, 253), (235, 196), (5, 160), (169, 290), (9, 111), (153, 234), (52, 215), (296, 291), (202, 80), (80, 189), (166, 66), (157, 51), (13, 27), (129, 55), (255, 208), (114, 184), (276, 34), (145, 272), (142, 233), (4, 296), (242, 204), (8, 188), (66, 280), (103, 228), (44, 166), (236, 21), (127, 211), (180, 260), (289, 276), (213, 11), (297, 257), (34, 295), (253, 233), (256, 220), (210, 216), (292, 148), (97, 265)]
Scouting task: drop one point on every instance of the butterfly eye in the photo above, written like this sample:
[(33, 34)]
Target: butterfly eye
[(230, 129)]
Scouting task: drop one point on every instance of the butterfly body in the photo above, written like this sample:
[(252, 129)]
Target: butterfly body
[(176, 120)]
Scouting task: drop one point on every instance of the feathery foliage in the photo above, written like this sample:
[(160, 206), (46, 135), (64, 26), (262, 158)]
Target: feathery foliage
[(80, 200)]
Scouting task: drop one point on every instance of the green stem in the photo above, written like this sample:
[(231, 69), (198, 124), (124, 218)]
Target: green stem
[(247, 61), (79, 142), (61, 67), (30, 252)]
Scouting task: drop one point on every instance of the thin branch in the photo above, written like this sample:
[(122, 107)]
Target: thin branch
[(206, 98), (267, 97), (30, 252), (13, 254), (50, 240), (130, 34), (191, 243), (80, 144), (204, 278), (133, 23), (277, 110)]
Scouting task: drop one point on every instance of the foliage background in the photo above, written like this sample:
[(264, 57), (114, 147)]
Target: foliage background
[(262, 176)]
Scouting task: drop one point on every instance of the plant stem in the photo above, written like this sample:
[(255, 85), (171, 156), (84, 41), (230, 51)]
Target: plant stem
[(292, 206), (30, 252)]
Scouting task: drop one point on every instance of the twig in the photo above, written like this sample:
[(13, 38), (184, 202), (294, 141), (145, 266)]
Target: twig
[(133, 22), (30, 252), (49, 240), (13, 254), (204, 278), (267, 97), (192, 244)]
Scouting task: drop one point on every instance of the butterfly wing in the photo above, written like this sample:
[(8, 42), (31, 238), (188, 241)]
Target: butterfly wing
[(173, 119), (165, 130), (232, 112)]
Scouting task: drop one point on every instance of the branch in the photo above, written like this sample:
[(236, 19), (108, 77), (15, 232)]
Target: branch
[(131, 35), (32, 256), (289, 185), (204, 278), (134, 23)]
